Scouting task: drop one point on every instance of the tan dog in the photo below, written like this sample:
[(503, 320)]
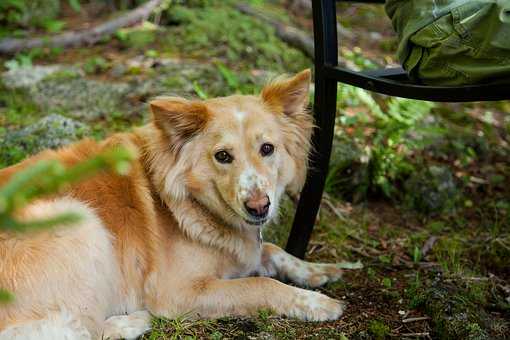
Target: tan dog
[(180, 234)]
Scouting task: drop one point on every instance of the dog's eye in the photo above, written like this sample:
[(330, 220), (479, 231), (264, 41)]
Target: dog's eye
[(223, 157), (266, 149)]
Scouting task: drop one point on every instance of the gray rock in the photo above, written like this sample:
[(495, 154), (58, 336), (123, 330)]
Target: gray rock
[(349, 176), (79, 97), (50, 132), (27, 76)]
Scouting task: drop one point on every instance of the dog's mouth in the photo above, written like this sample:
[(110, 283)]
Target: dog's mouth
[(257, 222)]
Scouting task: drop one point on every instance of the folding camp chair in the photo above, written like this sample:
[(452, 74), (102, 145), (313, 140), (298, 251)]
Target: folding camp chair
[(391, 81)]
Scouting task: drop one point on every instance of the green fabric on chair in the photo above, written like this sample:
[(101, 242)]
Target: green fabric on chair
[(453, 42)]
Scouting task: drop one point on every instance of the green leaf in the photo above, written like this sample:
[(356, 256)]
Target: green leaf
[(53, 26), (416, 254), (199, 91), (386, 259), (228, 75), (75, 5), (5, 296)]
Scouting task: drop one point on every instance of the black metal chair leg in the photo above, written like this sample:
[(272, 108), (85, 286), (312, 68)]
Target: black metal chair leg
[(326, 53), (311, 195)]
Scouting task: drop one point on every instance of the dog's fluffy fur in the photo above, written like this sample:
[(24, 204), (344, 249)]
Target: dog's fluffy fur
[(173, 237)]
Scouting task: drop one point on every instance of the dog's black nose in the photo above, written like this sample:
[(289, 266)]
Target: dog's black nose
[(258, 206)]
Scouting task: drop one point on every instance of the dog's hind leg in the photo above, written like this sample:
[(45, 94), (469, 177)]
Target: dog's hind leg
[(56, 326), (58, 275), (127, 326)]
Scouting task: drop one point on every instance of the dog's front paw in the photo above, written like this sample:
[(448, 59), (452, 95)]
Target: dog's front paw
[(313, 306), (126, 326)]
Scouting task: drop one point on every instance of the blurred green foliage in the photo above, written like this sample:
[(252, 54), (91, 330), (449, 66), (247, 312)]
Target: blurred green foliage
[(22, 13), (48, 177)]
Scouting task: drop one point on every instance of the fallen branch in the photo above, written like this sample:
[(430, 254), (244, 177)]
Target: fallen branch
[(86, 37), (334, 209), (290, 35), (418, 335), (357, 251), (421, 318)]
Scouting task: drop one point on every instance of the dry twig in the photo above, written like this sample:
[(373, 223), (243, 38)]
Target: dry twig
[(421, 318)]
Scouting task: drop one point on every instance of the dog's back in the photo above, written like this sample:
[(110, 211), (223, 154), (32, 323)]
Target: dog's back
[(98, 263)]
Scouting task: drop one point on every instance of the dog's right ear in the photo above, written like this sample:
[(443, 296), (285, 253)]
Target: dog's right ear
[(178, 118)]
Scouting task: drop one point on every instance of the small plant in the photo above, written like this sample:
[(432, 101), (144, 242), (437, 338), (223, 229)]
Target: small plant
[(138, 36), (378, 329), (380, 140), (21, 60), (53, 26), (229, 76), (95, 65), (199, 90), (386, 282), (416, 254)]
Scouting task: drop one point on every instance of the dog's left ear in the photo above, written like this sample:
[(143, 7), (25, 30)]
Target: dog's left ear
[(288, 96)]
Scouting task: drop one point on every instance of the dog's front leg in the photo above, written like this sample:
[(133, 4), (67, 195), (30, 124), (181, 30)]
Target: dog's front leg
[(214, 298), (276, 262)]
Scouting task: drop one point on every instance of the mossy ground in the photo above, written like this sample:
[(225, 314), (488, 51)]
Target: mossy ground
[(435, 243)]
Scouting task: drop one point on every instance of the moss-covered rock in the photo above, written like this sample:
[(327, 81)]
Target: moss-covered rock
[(79, 97), (187, 78), (221, 31), (28, 76), (348, 176), (50, 132), (64, 89), (432, 190), (460, 310), (138, 36)]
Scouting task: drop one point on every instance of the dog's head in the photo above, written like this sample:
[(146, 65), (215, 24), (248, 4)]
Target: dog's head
[(237, 155)]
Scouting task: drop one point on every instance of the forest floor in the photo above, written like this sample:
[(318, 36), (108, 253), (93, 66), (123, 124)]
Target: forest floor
[(419, 192)]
